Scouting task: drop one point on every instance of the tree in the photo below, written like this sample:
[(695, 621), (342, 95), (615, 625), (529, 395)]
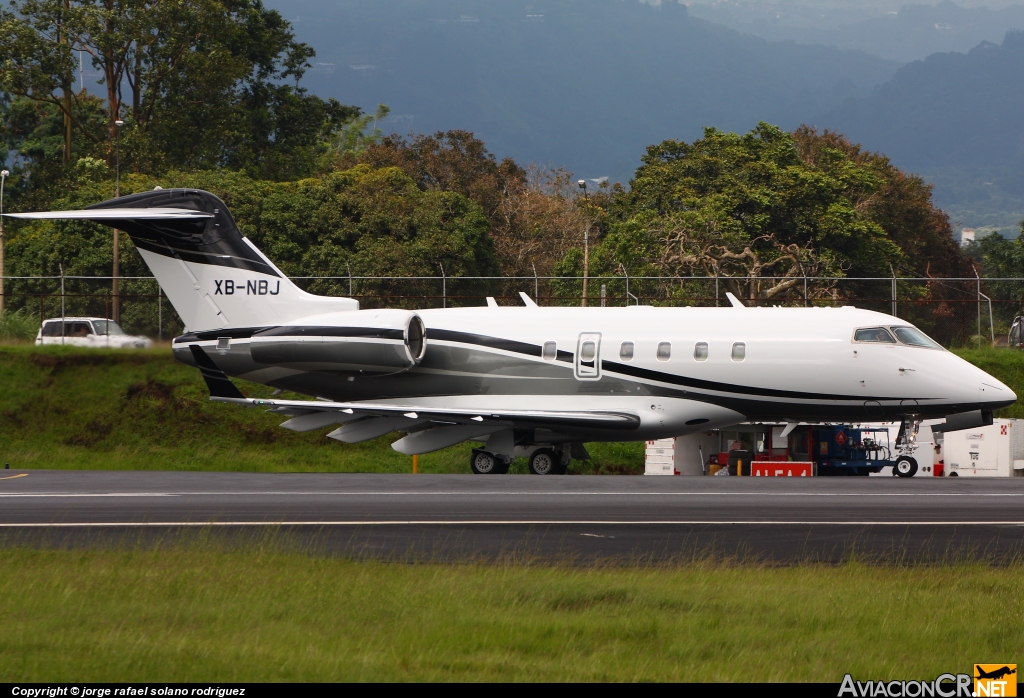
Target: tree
[(766, 209), (207, 80)]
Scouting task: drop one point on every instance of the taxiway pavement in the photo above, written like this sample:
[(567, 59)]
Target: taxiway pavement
[(580, 518)]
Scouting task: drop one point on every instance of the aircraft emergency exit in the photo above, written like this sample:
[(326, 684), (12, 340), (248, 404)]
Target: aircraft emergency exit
[(527, 380)]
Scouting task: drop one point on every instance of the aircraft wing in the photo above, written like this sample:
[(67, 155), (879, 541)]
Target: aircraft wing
[(430, 427), (410, 410)]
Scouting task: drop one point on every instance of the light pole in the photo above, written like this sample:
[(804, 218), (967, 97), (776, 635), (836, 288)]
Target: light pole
[(115, 306), (4, 174), (586, 244)]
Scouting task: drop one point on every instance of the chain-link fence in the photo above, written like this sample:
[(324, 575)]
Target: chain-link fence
[(956, 312)]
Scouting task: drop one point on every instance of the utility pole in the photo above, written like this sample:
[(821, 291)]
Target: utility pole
[(115, 286), (4, 174), (586, 244), (66, 86)]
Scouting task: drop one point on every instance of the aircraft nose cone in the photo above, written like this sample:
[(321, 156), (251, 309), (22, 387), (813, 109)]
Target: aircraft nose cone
[(996, 392)]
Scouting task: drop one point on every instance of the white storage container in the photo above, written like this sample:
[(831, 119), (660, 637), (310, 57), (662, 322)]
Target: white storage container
[(682, 455), (993, 451), (660, 457)]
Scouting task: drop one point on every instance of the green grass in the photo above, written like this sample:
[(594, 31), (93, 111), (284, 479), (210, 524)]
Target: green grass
[(68, 407), (201, 614), (1005, 364)]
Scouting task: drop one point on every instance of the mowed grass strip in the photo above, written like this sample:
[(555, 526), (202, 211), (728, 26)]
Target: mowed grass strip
[(80, 408), (195, 613)]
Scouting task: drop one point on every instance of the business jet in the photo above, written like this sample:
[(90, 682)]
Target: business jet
[(526, 381)]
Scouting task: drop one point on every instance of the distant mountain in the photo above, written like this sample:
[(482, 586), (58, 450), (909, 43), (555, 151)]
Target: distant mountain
[(585, 84), (958, 119), (906, 33)]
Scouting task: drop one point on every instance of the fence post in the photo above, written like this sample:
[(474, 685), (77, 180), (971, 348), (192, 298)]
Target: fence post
[(444, 287), (349, 269), (893, 290), (806, 302), (716, 290), (991, 322), (979, 306), (63, 315)]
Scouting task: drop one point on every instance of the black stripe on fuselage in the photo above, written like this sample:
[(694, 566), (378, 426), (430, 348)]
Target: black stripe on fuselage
[(644, 373), (364, 332), (493, 343), (209, 335), (534, 350)]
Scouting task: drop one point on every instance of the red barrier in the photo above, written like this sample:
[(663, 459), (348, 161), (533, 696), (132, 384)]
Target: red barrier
[(794, 469)]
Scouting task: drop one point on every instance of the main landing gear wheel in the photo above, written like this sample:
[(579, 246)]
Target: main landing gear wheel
[(545, 462), (905, 467), (484, 463)]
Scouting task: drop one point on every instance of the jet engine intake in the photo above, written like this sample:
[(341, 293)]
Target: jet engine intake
[(362, 341)]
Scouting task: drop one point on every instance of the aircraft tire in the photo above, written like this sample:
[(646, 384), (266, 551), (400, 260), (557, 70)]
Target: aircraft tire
[(543, 461), (905, 466), (484, 463)]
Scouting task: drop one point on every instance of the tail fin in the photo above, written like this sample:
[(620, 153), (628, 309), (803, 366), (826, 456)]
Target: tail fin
[(213, 276)]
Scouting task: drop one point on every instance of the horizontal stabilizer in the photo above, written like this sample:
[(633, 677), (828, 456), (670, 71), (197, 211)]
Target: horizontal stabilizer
[(219, 384), (115, 214)]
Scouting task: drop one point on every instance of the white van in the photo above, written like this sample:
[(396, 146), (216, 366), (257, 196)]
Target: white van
[(88, 332)]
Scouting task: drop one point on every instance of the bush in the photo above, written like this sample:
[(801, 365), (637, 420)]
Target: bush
[(18, 325)]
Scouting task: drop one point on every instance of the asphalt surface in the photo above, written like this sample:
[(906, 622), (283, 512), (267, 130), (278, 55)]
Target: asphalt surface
[(571, 518)]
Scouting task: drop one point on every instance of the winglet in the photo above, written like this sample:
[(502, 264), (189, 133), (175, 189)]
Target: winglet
[(527, 300), (734, 300), (491, 303), (218, 383)]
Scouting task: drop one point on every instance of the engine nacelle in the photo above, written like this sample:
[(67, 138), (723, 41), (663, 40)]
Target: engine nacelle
[(361, 341)]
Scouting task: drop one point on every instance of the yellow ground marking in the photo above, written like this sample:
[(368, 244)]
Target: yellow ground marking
[(11, 477)]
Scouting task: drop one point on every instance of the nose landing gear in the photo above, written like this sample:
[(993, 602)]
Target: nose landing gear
[(906, 442)]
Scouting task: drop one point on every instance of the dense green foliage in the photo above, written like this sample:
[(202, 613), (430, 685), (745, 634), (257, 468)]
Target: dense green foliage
[(363, 221), (766, 208), (210, 612), (66, 407), (198, 83)]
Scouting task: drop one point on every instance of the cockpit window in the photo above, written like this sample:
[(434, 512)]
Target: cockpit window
[(915, 337), (879, 335)]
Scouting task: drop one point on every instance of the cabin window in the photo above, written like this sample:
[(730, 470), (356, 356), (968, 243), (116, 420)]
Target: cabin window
[(877, 335), (53, 329), (549, 352), (588, 351), (915, 337), (700, 351), (626, 351), (664, 351), (739, 351)]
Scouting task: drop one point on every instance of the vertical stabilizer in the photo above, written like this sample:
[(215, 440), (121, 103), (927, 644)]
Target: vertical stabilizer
[(214, 277)]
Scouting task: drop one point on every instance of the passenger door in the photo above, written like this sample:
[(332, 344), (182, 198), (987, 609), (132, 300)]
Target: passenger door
[(588, 356)]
